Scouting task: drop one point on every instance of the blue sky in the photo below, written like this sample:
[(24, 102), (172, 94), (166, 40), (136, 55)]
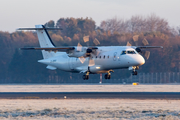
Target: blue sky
[(27, 13)]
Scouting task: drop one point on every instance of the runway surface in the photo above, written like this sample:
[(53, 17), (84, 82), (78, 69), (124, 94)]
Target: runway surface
[(89, 95)]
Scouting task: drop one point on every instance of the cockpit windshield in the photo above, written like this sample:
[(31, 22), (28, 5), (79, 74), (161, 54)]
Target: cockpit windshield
[(128, 52)]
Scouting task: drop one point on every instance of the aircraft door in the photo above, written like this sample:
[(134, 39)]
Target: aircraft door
[(115, 56)]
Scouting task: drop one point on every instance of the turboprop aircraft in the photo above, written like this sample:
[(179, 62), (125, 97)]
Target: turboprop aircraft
[(89, 59)]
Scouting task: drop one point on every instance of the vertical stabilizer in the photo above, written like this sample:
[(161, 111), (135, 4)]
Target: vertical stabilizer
[(45, 41)]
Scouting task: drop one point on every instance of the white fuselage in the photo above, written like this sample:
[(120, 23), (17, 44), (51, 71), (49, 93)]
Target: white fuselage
[(110, 57)]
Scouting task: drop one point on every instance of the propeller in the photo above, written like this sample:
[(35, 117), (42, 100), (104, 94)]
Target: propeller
[(147, 53), (90, 51), (144, 43)]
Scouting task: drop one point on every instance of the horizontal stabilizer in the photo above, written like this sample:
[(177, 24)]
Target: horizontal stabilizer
[(51, 67), (39, 28)]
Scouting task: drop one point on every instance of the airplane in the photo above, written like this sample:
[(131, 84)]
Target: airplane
[(88, 59)]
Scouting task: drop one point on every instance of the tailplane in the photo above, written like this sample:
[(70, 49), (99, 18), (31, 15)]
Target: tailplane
[(44, 40)]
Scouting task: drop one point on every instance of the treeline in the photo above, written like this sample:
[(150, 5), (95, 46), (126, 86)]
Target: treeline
[(21, 66)]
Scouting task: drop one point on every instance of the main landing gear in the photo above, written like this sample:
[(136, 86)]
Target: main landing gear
[(86, 76), (108, 75)]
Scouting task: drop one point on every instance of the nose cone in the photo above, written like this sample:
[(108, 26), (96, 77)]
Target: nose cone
[(141, 60)]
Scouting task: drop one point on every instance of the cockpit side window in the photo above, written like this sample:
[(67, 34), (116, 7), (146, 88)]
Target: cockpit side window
[(131, 52), (123, 52)]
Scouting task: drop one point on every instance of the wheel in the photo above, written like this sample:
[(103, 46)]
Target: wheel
[(87, 77), (135, 73), (105, 76), (84, 77), (109, 76)]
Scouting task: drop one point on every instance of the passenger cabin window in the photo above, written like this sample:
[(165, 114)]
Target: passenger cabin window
[(104, 56), (108, 56), (100, 57)]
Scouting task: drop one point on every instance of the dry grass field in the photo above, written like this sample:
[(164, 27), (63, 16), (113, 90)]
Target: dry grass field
[(89, 109)]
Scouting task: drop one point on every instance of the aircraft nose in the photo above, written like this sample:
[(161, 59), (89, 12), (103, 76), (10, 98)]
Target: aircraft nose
[(141, 60)]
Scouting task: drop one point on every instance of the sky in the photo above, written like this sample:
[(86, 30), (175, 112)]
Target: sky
[(28, 13)]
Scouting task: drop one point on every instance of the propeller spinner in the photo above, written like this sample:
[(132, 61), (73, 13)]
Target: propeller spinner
[(144, 43)]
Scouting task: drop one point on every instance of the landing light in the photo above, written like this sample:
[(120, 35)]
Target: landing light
[(98, 67)]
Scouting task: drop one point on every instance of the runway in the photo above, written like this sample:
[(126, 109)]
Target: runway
[(89, 95)]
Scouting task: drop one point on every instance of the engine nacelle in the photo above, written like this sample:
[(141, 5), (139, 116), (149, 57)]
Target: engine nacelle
[(76, 54), (138, 50), (95, 68)]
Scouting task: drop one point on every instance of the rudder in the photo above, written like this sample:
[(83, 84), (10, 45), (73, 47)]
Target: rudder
[(45, 41)]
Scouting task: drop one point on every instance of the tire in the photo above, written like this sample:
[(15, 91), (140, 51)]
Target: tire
[(84, 77), (109, 76), (87, 77), (105, 76), (135, 73)]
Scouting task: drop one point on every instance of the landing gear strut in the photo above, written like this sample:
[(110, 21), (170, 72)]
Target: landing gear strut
[(108, 75), (86, 77), (134, 72), (134, 68)]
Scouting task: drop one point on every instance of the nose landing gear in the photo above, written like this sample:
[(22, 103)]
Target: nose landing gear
[(107, 76), (86, 76), (134, 72)]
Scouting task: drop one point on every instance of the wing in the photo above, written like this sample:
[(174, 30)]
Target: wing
[(147, 47), (61, 49)]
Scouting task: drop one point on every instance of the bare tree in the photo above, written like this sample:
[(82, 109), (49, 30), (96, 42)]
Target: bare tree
[(136, 24), (114, 25)]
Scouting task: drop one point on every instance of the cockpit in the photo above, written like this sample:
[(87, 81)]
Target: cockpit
[(128, 52)]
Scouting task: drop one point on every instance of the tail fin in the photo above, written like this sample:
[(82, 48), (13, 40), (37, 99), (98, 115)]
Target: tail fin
[(44, 41)]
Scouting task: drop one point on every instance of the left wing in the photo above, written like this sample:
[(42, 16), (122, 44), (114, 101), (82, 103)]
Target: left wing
[(61, 49)]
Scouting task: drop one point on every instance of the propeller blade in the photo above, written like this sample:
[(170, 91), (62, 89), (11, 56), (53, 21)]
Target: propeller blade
[(86, 38), (82, 59), (128, 44), (97, 52), (91, 62), (96, 42), (145, 42), (135, 38), (147, 54), (79, 47)]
